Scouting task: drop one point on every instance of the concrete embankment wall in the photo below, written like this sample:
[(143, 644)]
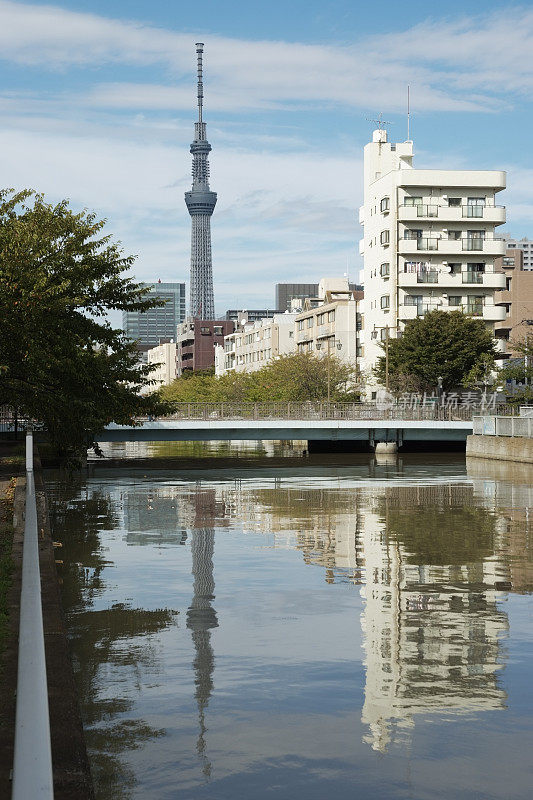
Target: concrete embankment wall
[(500, 448), (72, 778)]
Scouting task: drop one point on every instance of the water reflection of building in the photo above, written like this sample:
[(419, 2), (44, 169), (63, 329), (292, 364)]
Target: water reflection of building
[(431, 630), (321, 523)]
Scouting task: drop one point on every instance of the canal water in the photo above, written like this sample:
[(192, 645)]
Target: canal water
[(264, 624)]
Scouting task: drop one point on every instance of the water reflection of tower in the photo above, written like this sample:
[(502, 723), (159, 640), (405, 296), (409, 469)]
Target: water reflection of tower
[(431, 623), (201, 616)]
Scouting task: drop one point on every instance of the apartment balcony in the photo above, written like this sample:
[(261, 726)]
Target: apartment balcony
[(489, 313), (494, 313), (448, 247), (441, 277), (494, 215)]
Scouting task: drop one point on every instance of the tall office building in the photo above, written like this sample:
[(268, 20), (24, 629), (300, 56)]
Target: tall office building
[(201, 203), (149, 328), (429, 242)]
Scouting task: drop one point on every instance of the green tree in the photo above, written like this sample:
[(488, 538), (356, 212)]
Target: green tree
[(440, 344), (519, 369), (298, 377), (61, 361)]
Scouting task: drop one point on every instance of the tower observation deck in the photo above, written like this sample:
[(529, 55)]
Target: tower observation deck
[(201, 203)]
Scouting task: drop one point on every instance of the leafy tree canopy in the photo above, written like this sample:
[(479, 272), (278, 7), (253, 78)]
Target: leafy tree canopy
[(440, 344), (297, 377), (61, 362)]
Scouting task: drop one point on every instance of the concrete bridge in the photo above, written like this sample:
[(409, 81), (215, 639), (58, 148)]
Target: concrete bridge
[(357, 426)]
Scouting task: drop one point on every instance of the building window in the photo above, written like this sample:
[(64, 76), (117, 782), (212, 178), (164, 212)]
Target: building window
[(384, 270), (413, 201), (385, 204), (300, 325), (309, 322), (331, 316), (454, 300), (454, 201), (218, 330), (412, 233), (385, 301), (384, 237), (454, 235), (205, 331)]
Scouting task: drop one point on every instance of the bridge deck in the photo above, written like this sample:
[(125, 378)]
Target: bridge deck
[(320, 429)]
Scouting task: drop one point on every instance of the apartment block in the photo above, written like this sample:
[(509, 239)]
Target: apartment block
[(254, 344), (429, 242), (249, 315), (332, 322), (525, 246), (163, 357), (196, 341), (517, 300)]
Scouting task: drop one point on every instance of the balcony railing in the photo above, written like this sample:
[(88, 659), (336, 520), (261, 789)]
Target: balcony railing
[(473, 211), (473, 277), (473, 242), (431, 276), (427, 243), (467, 210), (467, 243)]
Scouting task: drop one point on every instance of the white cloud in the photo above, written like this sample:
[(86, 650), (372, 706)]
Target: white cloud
[(453, 65)]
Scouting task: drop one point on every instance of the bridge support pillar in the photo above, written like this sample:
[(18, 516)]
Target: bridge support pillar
[(386, 447)]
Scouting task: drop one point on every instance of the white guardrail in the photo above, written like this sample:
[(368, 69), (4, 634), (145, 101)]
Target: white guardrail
[(503, 426), (32, 765)]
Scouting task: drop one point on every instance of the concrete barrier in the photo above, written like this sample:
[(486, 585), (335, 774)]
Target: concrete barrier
[(501, 448)]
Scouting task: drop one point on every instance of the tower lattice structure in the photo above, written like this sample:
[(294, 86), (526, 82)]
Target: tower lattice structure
[(201, 203)]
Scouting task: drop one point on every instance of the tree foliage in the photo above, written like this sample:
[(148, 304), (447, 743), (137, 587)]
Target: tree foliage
[(61, 362), (296, 377), (440, 344)]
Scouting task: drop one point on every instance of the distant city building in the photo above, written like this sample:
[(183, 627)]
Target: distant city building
[(429, 242), (516, 298), (524, 245), (255, 344), (332, 322), (201, 203), (249, 315), (287, 292), (164, 356), (196, 341), (150, 328)]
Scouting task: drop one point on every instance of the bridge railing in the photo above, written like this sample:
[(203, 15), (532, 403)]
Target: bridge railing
[(319, 411), (503, 426)]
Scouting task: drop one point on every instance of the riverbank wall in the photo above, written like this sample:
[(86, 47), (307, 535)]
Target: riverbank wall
[(71, 771), (500, 448)]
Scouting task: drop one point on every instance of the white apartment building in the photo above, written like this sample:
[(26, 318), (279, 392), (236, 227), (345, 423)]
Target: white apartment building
[(429, 241), (164, 356), (255, 344), (332, 322)]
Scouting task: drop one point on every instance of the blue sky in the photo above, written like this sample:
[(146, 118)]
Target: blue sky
[(97, 105)]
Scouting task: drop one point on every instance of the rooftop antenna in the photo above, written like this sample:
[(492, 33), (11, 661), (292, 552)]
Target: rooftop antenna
[(380, 122), (408, 114), (199, 54)]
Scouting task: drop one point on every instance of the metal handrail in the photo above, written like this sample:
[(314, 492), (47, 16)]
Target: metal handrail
[(430, 410), (32, 765)]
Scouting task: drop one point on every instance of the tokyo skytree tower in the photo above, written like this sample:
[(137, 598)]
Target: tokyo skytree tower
[(201, 203)]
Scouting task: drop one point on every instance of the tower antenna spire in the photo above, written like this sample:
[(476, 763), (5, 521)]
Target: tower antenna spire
[(199, 56), (201, 203), (408, 113)]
